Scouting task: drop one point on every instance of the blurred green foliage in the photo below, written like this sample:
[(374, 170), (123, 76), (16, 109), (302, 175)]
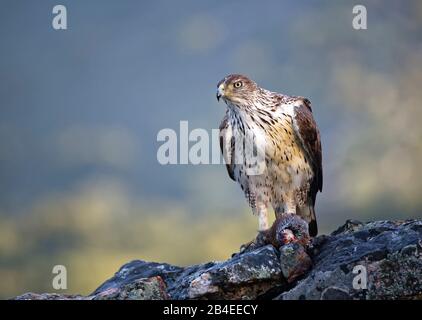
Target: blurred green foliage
[(96, 228)]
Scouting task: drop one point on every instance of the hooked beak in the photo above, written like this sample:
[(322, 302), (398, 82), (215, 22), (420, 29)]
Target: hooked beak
[(220, 92)]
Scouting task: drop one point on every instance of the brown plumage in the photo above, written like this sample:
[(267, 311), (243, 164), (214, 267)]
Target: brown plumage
[(285, 134)]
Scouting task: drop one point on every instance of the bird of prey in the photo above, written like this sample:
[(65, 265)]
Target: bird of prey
[(292, 174)]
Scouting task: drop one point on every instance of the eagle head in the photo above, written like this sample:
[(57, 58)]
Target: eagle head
[(236, 89)]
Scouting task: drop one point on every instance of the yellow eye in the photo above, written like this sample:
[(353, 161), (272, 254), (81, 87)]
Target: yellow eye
[(237, 84)]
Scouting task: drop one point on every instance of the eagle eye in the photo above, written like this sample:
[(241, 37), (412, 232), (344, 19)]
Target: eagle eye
[(238, 84)]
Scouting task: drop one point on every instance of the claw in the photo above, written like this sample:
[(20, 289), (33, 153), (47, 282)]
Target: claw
[(259, 241), (244, 247), (286, 229)]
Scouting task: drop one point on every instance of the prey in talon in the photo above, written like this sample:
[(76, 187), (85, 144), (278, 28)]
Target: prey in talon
[(286, 229)]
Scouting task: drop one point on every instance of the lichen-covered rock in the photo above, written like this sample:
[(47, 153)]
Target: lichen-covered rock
[(376, 260), (49, 296), (138, 269), (152, 288), (245, 276)]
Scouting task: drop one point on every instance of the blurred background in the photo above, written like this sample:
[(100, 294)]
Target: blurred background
[(80, 184)]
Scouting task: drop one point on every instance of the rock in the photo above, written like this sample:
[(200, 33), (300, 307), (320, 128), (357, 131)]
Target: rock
[(375, 260), (294, 261), (152, 288), (245, 276), (139, 269), (389, 252), (49, 296)]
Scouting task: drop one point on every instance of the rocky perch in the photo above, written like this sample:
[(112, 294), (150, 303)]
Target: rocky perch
[(375, 260)]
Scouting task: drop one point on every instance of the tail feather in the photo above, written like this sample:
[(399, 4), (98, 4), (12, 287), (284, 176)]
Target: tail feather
[(307, 212), (312, 226)]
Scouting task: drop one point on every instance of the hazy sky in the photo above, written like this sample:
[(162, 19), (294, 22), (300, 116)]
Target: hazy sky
[(87, 103)]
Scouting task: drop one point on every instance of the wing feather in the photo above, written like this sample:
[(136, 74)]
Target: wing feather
[(227, 146), (307, 131)]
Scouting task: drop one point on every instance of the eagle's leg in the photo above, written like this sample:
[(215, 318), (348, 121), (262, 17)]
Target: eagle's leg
[(263, 225)]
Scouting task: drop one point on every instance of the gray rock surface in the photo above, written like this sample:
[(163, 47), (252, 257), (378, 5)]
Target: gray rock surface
[(375, 260), (389, 251)]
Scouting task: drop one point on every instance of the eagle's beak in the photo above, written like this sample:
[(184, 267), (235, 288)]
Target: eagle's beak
[(220, 91)]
